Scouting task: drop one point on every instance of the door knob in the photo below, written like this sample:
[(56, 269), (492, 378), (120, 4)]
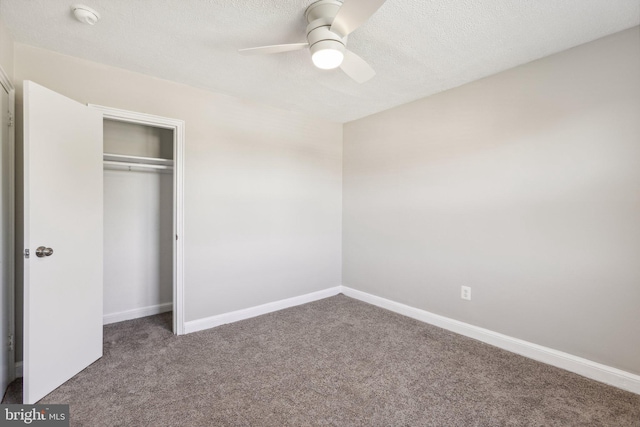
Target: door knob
[(42, 252)]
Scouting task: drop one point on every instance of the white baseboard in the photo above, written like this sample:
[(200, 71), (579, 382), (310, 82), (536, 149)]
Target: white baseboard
[(234, 316), (136, 313), (587, 368)]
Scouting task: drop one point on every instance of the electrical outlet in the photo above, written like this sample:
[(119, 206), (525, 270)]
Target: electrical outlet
[(465, 293)]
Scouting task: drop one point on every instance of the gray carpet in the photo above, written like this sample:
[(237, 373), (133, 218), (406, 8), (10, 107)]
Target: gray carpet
[(336, 362)]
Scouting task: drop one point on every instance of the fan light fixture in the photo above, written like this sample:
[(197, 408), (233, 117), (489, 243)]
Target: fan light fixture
[(327, 55), (329, 23)]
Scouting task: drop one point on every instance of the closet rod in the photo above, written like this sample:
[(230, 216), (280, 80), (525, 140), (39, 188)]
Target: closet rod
[(124, 165)]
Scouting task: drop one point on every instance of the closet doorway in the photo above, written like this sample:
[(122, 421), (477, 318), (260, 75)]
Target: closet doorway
[(62, 231), (143, 218)]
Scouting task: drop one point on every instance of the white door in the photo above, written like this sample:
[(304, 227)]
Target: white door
[(63, 217), (5, 244)]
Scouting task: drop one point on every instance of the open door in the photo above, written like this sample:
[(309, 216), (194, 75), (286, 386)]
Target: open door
[(63, 236)]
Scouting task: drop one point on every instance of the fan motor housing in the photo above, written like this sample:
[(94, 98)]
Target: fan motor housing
[(319, 30), (322, 9), (320, 16)]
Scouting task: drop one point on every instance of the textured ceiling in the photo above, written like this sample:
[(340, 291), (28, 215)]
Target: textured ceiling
[(417, 47)]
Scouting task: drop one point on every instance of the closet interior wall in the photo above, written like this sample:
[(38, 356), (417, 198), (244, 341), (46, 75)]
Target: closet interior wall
[(138, 222)]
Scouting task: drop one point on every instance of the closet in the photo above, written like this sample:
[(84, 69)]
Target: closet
[(138, 220)]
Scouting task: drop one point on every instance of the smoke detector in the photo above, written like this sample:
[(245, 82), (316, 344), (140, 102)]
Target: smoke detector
[(85, 14)]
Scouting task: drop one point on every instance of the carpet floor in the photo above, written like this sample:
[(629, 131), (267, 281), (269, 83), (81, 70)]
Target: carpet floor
[(334, 362)]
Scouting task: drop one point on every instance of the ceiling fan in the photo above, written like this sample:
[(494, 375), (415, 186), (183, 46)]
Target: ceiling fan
[(329, 24)]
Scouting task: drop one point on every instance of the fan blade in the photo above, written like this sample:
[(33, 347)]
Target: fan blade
[(276, 48), (354, 13), (356, 67)]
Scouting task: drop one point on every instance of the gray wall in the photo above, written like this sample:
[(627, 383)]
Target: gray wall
[(524, 186), (263, 186)]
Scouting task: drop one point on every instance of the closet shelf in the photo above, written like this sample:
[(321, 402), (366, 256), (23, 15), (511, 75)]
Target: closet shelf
[(123, 158)]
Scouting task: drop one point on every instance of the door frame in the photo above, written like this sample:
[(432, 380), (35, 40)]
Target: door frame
[(177, 126), (8, 87)]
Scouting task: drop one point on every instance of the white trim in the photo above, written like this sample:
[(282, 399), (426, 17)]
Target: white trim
[(12, 231), (136, 313), (138, 118), (178, 128), (178, 228), (235, 316), (587, 368), (18, 370)]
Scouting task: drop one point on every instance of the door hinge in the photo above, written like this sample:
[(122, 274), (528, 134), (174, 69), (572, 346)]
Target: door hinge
[(10, 121), (26, 253), (176, 237), (10, 342)]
